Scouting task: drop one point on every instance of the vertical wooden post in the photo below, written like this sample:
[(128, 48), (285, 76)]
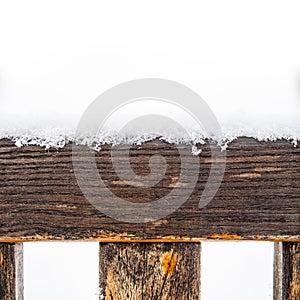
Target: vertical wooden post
[(157, 271), (278, 271), (287, 271), (11, 271)]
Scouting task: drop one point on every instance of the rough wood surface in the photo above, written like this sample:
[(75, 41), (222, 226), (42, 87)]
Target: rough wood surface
[(11, 271), (156, 271), (259, 197), (278, 272), (287, 271), (291, 271)]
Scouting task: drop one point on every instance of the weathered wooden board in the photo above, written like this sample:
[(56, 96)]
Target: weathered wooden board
[(11, 271), (162, 271), (259, 197), (287, 271)]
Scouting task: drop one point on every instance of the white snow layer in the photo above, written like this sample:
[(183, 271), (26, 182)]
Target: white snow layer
[(244, 60), (49, 132)]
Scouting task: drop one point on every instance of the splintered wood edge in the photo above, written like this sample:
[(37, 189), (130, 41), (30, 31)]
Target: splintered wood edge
[(168, 239)]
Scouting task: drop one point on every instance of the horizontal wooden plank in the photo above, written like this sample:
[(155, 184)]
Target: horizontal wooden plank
[(259, 197)]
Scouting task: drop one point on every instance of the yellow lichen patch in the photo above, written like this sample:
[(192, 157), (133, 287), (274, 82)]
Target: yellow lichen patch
[(169, 262)]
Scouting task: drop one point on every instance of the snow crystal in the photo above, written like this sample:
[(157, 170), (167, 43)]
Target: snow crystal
[(59, 131)]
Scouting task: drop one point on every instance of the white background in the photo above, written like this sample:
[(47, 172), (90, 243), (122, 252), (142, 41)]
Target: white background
[(69, 271), (242, 57)]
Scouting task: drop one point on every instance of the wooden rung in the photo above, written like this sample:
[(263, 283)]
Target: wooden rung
[(159, 271), (11, 271), (287, 271)]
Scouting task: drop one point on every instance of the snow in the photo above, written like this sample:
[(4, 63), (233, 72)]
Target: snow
[(48, 132), (242, 58), (244, 62)]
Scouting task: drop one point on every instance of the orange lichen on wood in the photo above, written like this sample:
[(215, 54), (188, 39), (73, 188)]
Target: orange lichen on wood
[(225, 236), (169, 262)]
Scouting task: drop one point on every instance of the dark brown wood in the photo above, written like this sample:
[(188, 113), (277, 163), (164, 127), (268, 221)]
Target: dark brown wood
[(287, 271), (157, 271), (259, 197), (11, 271)]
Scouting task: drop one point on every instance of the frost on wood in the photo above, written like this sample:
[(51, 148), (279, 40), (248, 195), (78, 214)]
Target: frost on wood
[(56, 133), (58, 138)]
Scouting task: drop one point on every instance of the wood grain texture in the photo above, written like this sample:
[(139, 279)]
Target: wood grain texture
[(259, 197), (287, 271), (156, 271), (278, 272), (11, 271)]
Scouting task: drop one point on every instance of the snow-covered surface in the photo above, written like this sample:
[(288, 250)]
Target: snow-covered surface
[(57, 132), (241, 57)]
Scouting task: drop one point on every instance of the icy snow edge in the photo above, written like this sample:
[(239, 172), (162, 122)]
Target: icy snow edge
[(57, 132), (59, 137)]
